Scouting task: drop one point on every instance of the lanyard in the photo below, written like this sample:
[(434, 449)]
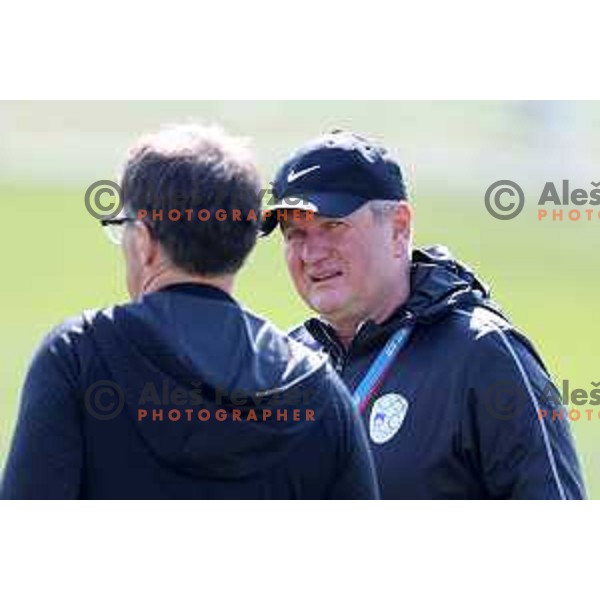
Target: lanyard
[(379, 368)]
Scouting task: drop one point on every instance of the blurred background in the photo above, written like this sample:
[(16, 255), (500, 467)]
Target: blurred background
[(56, 261)]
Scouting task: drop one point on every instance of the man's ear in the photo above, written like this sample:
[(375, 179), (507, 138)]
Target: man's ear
[(402, 219), (145, 245)]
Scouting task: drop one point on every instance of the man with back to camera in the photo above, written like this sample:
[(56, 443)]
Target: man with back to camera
[(204, 399), (452, 395)]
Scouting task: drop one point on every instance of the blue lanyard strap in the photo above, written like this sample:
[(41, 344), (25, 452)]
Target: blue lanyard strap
[(378, 370)]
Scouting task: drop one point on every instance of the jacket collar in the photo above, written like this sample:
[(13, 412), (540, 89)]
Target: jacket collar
[(201, 290)]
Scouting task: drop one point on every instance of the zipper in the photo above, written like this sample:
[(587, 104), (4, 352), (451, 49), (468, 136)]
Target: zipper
[(335, 350)]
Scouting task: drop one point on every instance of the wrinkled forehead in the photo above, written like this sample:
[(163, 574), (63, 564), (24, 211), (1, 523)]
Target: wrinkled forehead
[(308, 220), (315, 219)]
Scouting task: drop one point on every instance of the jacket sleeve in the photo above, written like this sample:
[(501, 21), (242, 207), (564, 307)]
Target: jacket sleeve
[(521, 446), (45, 458), (355, 478)]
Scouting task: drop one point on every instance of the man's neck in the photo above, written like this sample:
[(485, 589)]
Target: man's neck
[(168, 277), (346, 328)]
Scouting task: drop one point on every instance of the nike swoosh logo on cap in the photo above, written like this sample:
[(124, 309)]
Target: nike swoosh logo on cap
[(293, 175)]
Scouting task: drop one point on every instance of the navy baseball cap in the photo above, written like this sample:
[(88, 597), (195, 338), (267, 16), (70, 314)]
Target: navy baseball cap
[(333, 176)]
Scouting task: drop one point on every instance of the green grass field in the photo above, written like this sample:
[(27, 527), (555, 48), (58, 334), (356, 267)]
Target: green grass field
[(56, 262)]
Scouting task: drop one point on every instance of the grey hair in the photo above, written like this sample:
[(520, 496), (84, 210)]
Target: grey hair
[(381, 209)]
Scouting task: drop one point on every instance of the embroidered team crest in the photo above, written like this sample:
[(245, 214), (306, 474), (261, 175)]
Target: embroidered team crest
[(387, 416)]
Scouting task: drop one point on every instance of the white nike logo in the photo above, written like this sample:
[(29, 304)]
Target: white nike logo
[(293, 175)]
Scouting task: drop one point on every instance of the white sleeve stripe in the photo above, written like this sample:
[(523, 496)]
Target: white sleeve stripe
[(534, 400)]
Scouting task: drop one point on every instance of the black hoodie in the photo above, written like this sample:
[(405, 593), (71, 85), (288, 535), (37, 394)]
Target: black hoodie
[(459, 415), (184, 394)]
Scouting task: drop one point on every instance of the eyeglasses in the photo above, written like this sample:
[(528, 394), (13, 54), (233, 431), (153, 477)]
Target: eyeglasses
[(115, 228)]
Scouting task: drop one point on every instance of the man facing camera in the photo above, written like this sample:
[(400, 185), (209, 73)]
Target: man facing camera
[(452, 394), (182, 393)]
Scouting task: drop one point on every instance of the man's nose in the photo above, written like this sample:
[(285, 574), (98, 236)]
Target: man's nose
[(314, 249)]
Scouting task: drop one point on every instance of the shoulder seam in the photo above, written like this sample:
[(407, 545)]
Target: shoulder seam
[(532, 396)]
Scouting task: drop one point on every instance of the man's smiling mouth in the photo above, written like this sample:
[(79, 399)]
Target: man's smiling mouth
[(321, 277)]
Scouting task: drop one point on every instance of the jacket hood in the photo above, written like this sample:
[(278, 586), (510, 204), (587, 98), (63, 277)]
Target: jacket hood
[(440, 283), (192, 348)]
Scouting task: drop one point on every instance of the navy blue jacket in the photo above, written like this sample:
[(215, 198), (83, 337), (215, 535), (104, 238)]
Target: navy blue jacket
[(458, 415), (211, 378)]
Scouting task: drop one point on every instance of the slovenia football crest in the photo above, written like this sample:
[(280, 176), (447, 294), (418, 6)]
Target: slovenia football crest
[(387, 416)]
